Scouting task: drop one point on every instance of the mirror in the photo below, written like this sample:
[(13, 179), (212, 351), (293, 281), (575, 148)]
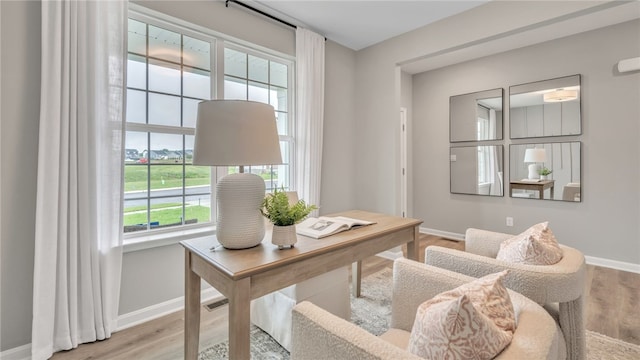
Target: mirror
[(562, 160), (476, 116), (477, 170), (545, 108)]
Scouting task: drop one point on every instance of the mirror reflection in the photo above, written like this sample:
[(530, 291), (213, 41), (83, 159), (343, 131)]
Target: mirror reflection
[(545, 108), (477, 170), (476, 116), (549, 171)]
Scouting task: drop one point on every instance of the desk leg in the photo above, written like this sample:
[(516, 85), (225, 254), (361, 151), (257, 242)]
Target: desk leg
[(413, 246), (239, 320), (356, 277), (192, 310)]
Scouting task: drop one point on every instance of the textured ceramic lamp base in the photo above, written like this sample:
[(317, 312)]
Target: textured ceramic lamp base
[(533, 172), (240, 224)]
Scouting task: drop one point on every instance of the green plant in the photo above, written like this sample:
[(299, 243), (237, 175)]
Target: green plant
[(277, 209), (544, 171)]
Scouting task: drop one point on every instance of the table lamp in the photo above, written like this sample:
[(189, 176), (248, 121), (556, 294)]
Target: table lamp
[(534, 156), (237, 133)]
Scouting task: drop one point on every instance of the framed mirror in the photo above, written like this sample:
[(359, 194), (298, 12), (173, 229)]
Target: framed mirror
[(476, 116), (477, 170), (545, 108), (547, 171)]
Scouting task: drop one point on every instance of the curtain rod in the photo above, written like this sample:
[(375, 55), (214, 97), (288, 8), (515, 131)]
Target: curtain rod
[(260, 12)]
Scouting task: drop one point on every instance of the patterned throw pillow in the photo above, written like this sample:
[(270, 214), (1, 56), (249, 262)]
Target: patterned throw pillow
[(535, 246), (468, 333), (455, 329)]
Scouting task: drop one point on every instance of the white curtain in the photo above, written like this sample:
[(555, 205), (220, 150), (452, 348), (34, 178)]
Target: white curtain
[(309, 113), (78, 243)]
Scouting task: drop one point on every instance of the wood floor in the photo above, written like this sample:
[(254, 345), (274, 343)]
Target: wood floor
[(613, 309)]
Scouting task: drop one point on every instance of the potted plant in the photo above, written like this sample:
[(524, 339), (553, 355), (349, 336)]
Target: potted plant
[(544, 173), (284, 215)]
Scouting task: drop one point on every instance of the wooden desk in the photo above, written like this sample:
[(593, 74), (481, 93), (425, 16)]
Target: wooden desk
[(539, 186), (243, 275)]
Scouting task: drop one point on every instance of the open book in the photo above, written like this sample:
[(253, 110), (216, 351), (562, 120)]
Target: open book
[(325, 226)]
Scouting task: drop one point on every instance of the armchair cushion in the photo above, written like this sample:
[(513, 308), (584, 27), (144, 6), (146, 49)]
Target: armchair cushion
[(455, 329), (535, 246)]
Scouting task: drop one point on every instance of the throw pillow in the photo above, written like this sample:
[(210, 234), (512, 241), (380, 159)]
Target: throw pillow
[(455, 329), (535, 246)]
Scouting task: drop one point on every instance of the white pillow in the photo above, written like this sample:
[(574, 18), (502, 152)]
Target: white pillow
[(535, 246), (473, 321)]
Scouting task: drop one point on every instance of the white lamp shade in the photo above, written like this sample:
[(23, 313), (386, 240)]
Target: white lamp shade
[(236, 132), (233, 133), (535, 155)]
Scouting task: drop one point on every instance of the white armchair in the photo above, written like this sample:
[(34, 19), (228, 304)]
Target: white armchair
[(318, 334), (559, 287)]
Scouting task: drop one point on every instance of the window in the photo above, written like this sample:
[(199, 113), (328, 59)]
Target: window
[(170, 69), (259, 78), (168, 73)]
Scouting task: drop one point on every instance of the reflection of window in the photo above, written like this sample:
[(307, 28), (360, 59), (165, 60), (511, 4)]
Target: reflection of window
[(171, 69), (483, 124), (487, 164)]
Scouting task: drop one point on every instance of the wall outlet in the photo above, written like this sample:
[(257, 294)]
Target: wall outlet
[(509, 221)]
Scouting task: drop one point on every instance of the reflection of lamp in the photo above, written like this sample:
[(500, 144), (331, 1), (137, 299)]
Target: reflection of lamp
[(534, 156), (231, 133), (560, 95)]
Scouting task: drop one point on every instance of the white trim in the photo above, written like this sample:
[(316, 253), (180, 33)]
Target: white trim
[(152, 312), (153, 239), (18, 353), (444, 234), (128, 320), (613, 264), (591, 260)]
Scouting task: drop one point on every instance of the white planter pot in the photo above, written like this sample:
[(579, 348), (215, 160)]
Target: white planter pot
[(284, 236)]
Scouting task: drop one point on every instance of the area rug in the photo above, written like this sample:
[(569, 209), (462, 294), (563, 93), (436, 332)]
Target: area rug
[(372, 312)]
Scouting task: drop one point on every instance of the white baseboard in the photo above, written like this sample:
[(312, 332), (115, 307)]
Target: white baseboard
[(444, 234), (127, 320), (159, 310), (19, 353), (613, 264), (592, 260)]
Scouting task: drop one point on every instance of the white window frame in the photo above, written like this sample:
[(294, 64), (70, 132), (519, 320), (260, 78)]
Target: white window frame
[(161, 237)]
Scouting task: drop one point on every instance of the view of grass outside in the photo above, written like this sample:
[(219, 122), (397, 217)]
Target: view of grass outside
[(166, 174)]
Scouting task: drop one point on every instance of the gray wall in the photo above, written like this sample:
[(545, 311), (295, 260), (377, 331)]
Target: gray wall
[(20, 117), (155, 275), (605, 224), (338, 174), (379, 82)]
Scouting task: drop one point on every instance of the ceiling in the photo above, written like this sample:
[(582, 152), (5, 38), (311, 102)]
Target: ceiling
[(357, 24)]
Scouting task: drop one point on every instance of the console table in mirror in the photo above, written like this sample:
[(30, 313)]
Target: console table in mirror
[(476, 116), (477, 170), (548, 171), (545, 108)]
